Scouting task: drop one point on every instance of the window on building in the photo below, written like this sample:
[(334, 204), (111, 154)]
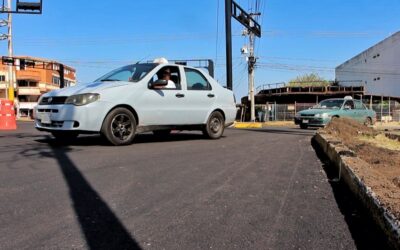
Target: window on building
[(2, 78), (25, 83), (56, 80), (56, 67)]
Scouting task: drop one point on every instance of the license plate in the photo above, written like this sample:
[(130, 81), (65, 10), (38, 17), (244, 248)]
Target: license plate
[(305, 121), (46, 118)]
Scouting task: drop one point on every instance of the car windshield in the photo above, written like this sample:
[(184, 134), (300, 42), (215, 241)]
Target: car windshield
[(130, 73), (330, 104)]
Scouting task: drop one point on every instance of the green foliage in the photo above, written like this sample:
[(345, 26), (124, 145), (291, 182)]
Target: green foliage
[(308, 80)]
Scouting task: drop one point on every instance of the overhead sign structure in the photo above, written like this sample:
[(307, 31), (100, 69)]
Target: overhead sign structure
[(246, 19), (232, 9), (24, 7)]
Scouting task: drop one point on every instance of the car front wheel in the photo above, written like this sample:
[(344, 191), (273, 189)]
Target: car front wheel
[(215, 125), (303, 126), (119, 127)]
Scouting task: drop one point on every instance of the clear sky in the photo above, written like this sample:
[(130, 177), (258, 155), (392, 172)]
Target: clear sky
[(299, 36)]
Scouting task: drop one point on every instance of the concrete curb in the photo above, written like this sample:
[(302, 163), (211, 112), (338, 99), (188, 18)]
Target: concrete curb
[(342, 158), (247, 125)]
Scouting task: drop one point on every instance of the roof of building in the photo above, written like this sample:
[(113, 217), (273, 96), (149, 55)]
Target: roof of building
[(393, 38)]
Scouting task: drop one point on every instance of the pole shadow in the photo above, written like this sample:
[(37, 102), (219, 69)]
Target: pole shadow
[(364, 231), (100, 226)]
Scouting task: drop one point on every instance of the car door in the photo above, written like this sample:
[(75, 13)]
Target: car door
[(349, 110), (163, 106), (200, 96), (361, 112)]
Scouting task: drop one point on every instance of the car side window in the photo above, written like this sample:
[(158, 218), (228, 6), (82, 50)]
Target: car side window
[(169, 73), (359, 105), (196, 81), (349, 104)]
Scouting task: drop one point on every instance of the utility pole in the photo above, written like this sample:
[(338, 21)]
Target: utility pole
[(10, 90), (228, 38), (251, 63)]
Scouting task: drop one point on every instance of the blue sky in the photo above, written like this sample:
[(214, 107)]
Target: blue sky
[(299, 36)]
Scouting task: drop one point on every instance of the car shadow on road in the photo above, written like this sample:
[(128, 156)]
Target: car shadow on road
[(285, 131), (365, 233), (100, 226), (97, 140)]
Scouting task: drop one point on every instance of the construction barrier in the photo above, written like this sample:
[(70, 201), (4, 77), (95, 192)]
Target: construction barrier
[(7, 115)]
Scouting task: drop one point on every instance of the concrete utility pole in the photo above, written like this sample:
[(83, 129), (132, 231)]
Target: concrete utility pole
[(10, 54), (251, 63)]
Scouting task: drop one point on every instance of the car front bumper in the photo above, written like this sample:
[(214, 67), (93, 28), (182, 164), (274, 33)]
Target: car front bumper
[(66, 117), (311, 121)]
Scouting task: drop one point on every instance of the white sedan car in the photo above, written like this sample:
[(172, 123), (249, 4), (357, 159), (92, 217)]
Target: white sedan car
[(138, 98)]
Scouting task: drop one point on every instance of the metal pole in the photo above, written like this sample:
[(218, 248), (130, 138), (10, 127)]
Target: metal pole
[(381, 108), (228, 32), (10, 54), (61, 72), (251, 78)]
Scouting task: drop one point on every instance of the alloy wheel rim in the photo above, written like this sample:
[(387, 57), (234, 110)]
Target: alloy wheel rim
[(121, 127), (215, 125)]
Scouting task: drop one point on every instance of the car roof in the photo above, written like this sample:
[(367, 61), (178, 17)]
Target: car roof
[(340, 99)]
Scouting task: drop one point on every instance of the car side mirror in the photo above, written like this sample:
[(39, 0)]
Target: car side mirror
[(346, 108), (157, 84)]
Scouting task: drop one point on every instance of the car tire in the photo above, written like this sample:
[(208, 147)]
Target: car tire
[(368, 121), (119, 127), (215, 126), (303, 126), (162, 133), (65, 135)]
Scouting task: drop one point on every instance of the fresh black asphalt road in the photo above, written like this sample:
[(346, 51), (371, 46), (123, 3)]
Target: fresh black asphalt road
[(252, 189)]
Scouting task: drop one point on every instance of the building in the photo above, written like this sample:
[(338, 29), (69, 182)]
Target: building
[(377, 69), (31, 82)]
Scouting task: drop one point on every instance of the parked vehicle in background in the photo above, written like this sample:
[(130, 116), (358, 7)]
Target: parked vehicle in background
[(137, 98), (321, 114)]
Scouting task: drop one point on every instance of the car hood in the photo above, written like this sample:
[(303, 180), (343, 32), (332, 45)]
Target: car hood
[(94, 87), (316, 111)]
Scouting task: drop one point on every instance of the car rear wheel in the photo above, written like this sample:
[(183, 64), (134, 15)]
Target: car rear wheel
[(215, 126), (368, 121), (119, 127)]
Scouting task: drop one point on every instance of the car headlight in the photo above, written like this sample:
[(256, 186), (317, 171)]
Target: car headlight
[(82, 99), (323, 115)]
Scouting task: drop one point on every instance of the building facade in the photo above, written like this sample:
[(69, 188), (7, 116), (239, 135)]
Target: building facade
[(377, 69), (31, 82)]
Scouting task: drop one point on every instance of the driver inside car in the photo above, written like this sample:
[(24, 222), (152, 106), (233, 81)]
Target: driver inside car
[(165, 74)]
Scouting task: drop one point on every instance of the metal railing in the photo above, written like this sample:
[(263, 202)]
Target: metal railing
[(385, 112)]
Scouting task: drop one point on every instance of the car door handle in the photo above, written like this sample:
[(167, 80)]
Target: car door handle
[(180, 95), (211, 95)]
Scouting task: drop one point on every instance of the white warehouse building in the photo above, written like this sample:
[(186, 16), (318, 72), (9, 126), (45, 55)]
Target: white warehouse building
[(377, 69)]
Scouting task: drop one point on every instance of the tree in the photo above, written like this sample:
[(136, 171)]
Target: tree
[(307, 80)]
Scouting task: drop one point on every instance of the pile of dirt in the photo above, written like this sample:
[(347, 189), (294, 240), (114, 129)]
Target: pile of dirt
[(382, 171)]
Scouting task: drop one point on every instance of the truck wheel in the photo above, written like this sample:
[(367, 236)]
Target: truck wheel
[(119, 127), (215, 126)]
